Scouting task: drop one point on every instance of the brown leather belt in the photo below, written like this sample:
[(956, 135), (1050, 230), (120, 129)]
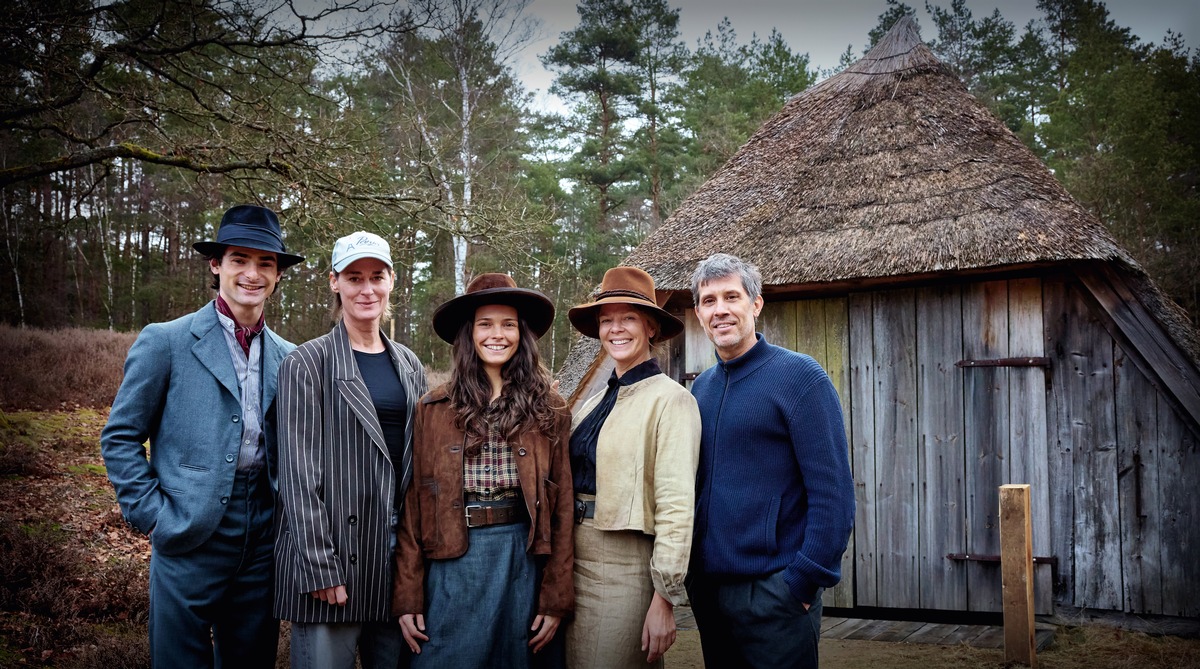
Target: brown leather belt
[(479, 515)]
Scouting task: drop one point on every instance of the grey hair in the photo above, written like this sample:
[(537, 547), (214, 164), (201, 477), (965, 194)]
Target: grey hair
[(720, 265)]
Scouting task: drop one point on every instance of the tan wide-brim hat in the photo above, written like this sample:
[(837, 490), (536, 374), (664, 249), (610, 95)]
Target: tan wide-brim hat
[(625, 285), (493, 288)]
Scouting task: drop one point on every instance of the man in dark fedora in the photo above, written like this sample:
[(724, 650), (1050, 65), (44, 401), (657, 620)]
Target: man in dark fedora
[(201, 390)]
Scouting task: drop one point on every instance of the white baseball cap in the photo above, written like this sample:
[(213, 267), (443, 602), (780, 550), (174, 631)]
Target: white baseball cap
[(359, 245)]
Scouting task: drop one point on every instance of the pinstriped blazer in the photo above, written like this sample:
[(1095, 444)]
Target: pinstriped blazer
[(337, 486)]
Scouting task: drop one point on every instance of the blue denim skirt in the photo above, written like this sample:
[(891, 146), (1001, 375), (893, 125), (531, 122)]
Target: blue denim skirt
[(479, 607)]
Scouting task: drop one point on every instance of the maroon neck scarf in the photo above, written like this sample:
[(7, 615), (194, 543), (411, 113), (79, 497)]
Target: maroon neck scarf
[(244, 334)]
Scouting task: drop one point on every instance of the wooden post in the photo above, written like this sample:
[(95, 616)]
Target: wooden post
[(1016, 574)]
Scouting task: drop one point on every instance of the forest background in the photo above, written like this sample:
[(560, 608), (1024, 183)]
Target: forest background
[(128, 127)]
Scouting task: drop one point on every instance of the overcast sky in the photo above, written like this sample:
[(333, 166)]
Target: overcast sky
[(823, 29)]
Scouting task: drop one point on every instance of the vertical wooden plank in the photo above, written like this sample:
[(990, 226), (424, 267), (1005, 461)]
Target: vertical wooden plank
[(1138, 487), (837, 350), (777, 322), (1179, 474), (1061, 469), (1088, 379), (837, 360), (810, 330), (943, 583), (985, 336), (862, 447), (699, 353), (1016, 565), (1029, 457), (896, 453)]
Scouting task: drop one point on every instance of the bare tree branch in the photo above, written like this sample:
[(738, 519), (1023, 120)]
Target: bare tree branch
[(222, 87)]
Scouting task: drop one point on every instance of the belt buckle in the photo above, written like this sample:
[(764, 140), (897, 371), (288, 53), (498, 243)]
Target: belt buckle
[(467, 513), (580, 511)]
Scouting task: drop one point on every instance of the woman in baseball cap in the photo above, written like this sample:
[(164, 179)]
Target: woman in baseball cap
[(346, 406)]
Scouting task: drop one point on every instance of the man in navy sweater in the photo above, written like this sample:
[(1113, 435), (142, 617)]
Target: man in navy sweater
[(774, 494)]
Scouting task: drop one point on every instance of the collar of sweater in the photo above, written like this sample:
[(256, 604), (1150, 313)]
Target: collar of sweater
[(746, 363)]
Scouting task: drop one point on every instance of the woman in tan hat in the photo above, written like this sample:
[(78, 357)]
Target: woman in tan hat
[(634, 451), (485, 557)]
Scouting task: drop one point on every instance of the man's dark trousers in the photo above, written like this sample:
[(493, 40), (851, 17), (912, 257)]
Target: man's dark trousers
[(223, 585), (753, 623)]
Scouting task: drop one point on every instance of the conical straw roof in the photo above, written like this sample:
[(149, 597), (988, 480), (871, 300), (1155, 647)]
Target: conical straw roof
[(889, 168)]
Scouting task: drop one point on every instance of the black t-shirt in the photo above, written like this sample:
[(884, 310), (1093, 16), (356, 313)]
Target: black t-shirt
[(390, 400)]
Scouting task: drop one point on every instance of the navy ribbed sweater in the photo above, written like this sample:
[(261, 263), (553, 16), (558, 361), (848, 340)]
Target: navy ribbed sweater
[(774, 489)]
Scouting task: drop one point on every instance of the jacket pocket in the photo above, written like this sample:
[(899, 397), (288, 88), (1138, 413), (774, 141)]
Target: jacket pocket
[(430, 531), (771, 530), (549, 505)]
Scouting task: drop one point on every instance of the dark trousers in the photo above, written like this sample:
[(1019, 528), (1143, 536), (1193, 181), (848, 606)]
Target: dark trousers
[(211, 607), (754, 623)]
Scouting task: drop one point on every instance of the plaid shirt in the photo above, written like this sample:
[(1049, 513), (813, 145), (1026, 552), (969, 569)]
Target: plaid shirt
[(492, 475)]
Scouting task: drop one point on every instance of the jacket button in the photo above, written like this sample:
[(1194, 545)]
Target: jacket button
[(353, 520), (235, 418), (229, 457), (520, 451), (224, 500), (353, 559)]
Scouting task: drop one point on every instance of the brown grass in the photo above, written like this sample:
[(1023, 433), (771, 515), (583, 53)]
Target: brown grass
[(60, 369), (72, 592)]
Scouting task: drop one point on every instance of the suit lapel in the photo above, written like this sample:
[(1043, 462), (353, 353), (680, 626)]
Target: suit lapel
[(212, 350), (352, 387), (413, 389), (272, 355)]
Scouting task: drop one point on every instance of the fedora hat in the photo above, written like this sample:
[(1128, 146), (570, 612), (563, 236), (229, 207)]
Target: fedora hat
[(252, 227), (625, 285), (493, 288)]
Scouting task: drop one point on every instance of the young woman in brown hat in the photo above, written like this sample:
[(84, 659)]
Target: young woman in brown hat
[(634, 451), (485, 548)]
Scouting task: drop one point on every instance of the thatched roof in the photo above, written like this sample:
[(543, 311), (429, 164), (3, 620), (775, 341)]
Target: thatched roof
[(889, 168), (583, 360)]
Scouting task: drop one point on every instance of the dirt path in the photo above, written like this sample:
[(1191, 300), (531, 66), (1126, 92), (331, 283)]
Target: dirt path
[(840, 654)]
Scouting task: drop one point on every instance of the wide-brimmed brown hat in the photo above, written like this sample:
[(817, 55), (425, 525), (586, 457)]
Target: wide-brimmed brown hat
[(625, 285), (493, 288)]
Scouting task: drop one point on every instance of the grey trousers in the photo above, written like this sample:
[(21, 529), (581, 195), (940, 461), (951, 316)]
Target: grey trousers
[(332, 645)]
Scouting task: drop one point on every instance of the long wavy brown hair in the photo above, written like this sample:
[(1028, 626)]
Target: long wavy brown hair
[(526, 401)]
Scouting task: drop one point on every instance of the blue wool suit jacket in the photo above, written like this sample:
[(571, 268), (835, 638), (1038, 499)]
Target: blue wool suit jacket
[(181, 393)]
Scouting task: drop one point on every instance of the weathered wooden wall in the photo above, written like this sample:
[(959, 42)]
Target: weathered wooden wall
[(1125, 514), (932, 442), (1110, 463)]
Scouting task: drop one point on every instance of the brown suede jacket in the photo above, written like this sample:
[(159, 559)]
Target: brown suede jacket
[(434, 526)]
